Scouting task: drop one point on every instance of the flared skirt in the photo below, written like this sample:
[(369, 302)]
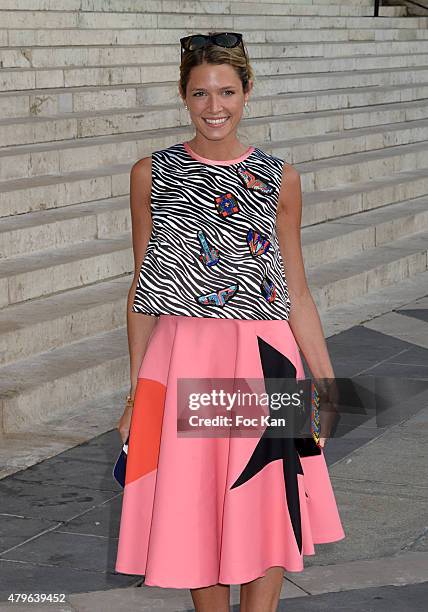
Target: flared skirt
[(198, 511)]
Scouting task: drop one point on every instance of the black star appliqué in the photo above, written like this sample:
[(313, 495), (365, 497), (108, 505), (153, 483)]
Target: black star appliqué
[(276, 365)]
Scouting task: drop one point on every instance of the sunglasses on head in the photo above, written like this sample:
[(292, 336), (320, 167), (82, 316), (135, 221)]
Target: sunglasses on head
[(221, 39)]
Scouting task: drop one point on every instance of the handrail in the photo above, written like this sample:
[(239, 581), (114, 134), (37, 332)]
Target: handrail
[(378, 3)]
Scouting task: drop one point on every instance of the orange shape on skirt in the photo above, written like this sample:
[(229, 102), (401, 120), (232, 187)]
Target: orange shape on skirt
[(146, 428)]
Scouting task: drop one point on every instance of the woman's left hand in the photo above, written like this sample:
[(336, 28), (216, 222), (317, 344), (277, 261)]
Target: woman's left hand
[(322, 442), (328, 392)]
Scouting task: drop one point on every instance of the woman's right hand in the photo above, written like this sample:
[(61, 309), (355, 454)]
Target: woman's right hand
[(124, 422)]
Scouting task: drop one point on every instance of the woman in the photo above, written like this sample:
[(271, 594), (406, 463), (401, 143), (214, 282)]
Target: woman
[(214, 222)]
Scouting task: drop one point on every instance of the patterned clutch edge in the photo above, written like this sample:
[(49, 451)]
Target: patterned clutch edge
[(315, 414)]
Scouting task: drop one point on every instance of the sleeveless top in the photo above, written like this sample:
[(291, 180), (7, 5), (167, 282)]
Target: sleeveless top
[(213, 250)]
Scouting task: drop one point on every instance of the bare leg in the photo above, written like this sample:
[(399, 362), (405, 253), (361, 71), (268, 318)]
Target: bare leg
[(262, 594), (214, 598)]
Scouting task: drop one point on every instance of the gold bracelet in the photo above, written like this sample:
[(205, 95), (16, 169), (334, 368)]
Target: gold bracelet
[(129, 401)]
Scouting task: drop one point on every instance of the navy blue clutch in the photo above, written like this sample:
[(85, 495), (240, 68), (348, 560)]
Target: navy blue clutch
[(119, 469)]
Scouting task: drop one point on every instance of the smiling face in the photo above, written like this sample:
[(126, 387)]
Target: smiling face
[(215, 100)]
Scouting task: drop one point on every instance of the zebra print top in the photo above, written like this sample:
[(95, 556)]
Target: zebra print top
[(213, 250)]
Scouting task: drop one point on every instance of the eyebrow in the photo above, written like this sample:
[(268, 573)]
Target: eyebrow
[(226, 87)]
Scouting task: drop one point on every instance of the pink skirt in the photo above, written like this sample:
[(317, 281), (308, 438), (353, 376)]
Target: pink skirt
[(202, 511)]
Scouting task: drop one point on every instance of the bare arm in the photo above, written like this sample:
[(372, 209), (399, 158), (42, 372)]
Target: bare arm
[(304, 319), (139, 325)]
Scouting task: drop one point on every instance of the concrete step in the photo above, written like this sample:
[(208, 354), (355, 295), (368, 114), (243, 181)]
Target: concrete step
[(51, 163), (41, 387), (276, 76), (143, 6), (393, 11), (20, 78), (255, 18), (52, 271), (245, 23), (340, 282), (112, 215), (345, 170), (352, 2), (337, 203), (81, 187), (351, 154), (48, 323), (337, 240), (59, 190), (65, 226), (49, 102), (335, 34), (273, 113), (196, 7), (57, 228), (77, 423), (259, 44), (92, 54), (158, 92), (81, 154), (169, 37)]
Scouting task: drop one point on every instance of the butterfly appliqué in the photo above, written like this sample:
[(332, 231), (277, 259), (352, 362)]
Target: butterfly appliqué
[(218, 298), (258, 244), (268, 289), (251, 181)]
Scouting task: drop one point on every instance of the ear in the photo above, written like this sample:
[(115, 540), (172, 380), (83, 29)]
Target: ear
[(180, 93), (249, 89)]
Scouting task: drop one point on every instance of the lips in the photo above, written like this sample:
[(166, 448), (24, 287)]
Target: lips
[(216, 122)]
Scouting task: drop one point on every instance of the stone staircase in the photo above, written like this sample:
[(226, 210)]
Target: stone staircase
[(338, 93)]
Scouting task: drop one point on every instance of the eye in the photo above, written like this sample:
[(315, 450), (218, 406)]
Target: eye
[(229, 91), (198, 92)]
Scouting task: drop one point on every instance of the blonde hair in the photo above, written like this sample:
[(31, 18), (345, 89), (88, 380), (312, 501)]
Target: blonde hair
[(213, 54)]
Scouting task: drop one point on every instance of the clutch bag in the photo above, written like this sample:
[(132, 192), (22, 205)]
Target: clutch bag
[(119, 469)]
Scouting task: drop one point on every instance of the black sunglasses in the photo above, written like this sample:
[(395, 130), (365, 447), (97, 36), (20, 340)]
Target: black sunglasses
[(222, 39)]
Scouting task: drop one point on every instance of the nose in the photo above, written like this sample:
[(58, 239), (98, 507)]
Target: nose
[(214, 104)]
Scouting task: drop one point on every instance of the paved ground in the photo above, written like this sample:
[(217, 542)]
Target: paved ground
[(59, 519)]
